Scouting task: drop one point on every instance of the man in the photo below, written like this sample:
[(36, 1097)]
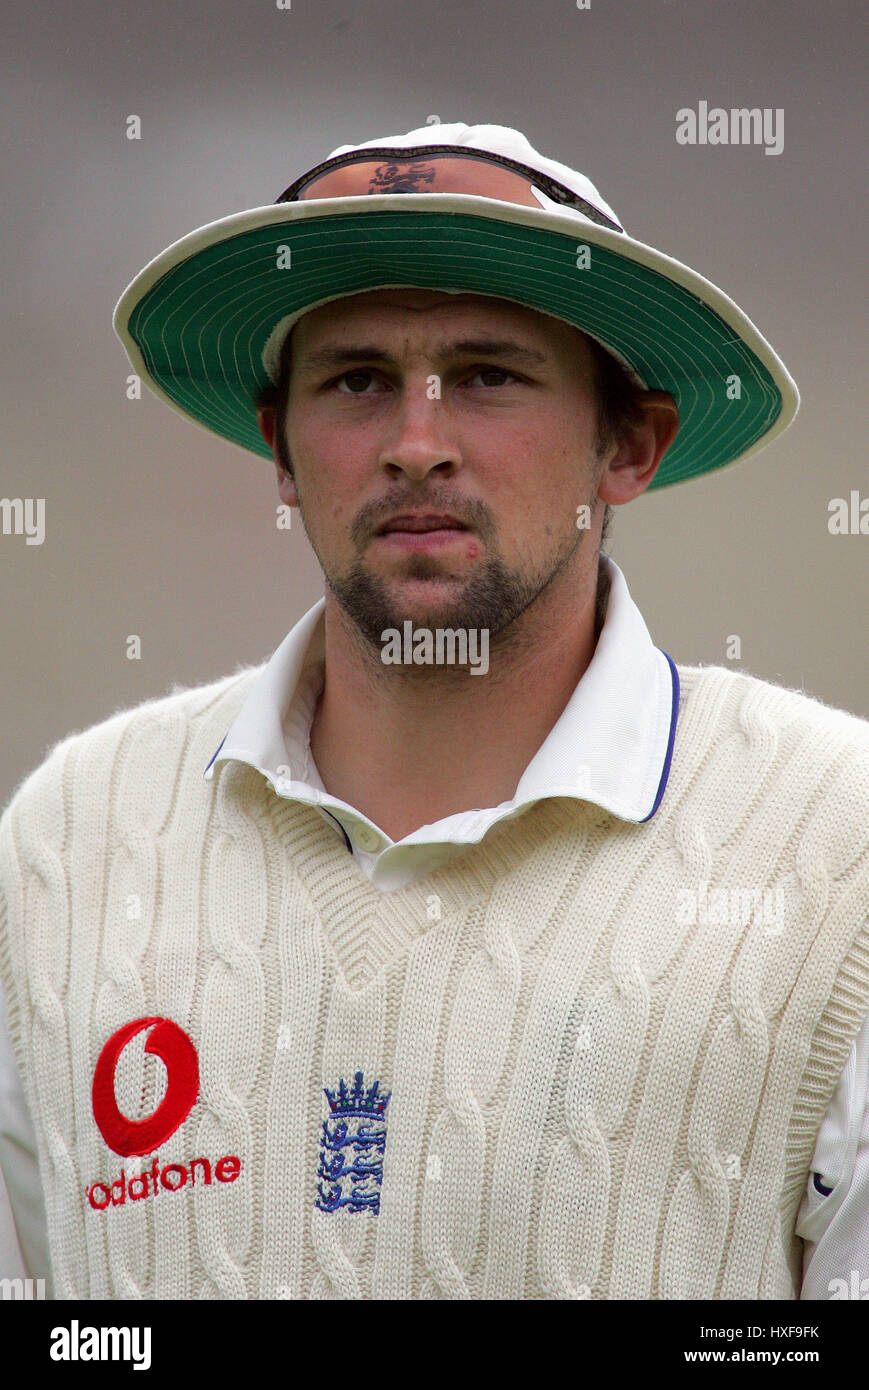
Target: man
[(497, 956)]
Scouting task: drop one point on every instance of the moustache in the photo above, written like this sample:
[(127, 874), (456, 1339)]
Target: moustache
[(470, 511)]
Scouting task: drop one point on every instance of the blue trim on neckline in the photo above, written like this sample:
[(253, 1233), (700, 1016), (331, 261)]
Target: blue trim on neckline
[(674, 715), (217, 750)]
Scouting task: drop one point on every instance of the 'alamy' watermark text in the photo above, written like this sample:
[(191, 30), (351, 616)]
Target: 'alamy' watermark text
[(735, 907), (23, 516), (740, 125), (445, 646)]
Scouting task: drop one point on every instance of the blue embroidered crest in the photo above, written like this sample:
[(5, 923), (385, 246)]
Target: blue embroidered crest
[(351, 1147)]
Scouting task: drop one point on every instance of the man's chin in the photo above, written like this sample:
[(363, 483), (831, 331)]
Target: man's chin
[(488, 599), (426, 599)]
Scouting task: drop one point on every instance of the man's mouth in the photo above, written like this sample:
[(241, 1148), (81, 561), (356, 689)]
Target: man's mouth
[(417, 522)]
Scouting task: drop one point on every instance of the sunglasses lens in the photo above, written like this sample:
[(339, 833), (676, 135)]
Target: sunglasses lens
[(435, 174), (437, 171)]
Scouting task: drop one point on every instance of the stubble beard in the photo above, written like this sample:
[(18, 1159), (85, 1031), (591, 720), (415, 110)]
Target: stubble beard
[(492, 599)]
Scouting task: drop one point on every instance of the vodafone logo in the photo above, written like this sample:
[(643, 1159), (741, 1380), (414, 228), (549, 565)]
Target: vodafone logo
[(178, 1055), (128, 1137)]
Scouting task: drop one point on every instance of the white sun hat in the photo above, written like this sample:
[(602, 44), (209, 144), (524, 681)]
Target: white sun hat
[(468, 209)]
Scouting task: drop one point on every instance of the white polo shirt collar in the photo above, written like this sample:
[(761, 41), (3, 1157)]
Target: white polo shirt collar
[(612, 744)]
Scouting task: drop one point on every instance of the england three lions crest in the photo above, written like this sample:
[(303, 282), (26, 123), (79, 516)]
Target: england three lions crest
[(352, 1144)]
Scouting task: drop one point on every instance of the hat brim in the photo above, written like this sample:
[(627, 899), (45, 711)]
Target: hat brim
[(196, 320)]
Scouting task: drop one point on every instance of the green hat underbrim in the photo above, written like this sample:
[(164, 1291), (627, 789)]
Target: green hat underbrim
[(195, 321)]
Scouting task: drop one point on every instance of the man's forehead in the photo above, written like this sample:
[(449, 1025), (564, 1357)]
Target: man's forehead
[(409, 307)]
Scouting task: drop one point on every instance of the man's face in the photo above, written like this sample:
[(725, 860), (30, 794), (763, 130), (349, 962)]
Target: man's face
[(448, 406)]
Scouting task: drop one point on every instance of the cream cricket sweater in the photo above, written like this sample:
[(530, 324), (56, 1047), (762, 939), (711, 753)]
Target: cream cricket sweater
[(537, 1073)]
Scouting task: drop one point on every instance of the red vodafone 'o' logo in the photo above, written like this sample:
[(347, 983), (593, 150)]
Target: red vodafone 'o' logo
[(178, 1055)]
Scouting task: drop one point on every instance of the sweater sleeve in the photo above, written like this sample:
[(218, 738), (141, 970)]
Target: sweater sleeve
[(23, 1227)]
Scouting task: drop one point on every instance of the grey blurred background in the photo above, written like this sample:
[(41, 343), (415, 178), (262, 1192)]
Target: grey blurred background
[(155, 527)]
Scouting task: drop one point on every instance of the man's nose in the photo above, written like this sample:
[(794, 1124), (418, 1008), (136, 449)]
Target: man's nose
[(420, 438)]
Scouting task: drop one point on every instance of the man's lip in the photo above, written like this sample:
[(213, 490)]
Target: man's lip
[(421, 522)]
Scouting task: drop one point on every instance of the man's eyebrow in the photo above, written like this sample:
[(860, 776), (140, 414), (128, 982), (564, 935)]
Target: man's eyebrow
[(336, 354), (495, 347)]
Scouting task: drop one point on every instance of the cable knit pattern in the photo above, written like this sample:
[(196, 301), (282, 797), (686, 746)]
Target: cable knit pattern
[(587, 1091), (129, 921)]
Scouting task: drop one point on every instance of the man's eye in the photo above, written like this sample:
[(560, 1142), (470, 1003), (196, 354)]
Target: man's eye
[(356, 382), (487, 373)]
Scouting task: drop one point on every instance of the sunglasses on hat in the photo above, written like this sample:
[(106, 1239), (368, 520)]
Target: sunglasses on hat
[(436, 169)]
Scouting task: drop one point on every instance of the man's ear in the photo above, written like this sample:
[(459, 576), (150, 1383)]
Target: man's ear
[(635, 460), (267, 420)]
